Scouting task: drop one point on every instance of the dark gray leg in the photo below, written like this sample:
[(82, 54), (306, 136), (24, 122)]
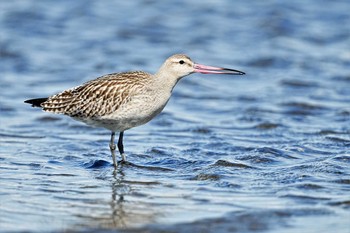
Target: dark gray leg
[(121, 147)]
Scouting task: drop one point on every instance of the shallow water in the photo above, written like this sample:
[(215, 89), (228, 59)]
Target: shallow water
[(268, 151)]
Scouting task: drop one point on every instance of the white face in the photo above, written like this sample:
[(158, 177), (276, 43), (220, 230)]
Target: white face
[(180, 64)]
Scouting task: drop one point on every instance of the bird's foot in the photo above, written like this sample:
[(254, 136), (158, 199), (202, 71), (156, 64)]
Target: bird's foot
[(124, 162)]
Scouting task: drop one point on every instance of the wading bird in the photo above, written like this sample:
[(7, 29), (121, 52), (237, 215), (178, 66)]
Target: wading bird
[(121, 101)]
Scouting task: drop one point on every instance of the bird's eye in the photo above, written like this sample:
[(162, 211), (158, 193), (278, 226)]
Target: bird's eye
[(181, 62)]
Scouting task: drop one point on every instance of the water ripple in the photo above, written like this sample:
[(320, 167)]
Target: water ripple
[(267, 151)]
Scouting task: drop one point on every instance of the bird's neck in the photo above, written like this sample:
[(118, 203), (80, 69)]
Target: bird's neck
[(166, 80)]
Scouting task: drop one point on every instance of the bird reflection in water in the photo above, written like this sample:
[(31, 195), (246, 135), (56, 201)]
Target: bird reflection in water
[(125, 209)]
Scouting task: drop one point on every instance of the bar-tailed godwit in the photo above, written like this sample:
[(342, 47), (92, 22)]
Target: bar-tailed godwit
[(121, 101)]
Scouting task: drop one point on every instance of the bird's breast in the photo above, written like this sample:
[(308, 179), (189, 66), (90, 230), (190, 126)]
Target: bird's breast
[(139, 110)]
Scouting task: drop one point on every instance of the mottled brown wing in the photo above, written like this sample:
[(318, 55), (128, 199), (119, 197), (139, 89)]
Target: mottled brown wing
[(98, 97)]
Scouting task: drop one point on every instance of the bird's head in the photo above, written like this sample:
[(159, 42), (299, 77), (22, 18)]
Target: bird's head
[(180, 65)]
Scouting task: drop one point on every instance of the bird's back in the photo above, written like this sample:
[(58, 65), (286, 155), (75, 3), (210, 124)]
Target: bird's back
[(98, 97)]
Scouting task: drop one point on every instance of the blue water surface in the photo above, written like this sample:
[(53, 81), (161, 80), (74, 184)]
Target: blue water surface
[(264, 152)]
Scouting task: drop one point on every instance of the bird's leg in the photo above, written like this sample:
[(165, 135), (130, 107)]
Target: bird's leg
[(121, 147), (112, 147)]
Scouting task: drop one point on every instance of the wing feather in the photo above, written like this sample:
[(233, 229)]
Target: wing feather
[(98, 97)]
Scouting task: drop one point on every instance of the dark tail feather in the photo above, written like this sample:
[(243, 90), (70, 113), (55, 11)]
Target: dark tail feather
[(36, 102)]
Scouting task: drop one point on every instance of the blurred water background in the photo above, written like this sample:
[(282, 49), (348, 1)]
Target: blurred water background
[(264, 152)]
